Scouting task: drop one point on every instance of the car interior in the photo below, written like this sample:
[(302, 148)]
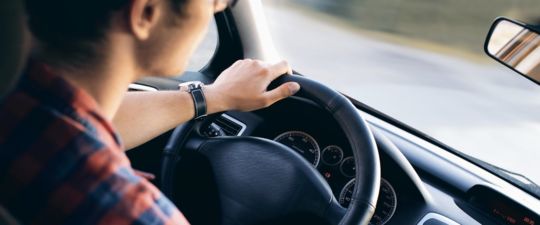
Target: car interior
[(13, 46), (418, 179)]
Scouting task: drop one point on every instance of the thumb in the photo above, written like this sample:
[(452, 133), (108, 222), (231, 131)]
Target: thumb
[(283, 91)]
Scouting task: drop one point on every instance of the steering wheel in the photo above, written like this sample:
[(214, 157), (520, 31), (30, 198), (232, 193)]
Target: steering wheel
[(259, 180)]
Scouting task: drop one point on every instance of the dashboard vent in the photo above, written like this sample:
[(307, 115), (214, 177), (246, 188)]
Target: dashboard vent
[(230, 126)]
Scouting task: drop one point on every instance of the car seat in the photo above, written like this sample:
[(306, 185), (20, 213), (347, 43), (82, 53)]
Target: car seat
[(13, 48), (13, 42)]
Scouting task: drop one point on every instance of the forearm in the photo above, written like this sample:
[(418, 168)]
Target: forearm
[(145, 115)]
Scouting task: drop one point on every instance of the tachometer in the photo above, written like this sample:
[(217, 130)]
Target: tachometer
[(386, 205), (332, 155), (302, 143)]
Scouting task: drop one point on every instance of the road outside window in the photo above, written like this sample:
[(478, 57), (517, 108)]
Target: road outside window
[(205, 51)]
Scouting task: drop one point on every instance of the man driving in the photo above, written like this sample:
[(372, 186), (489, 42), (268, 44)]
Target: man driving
[(66, 124)]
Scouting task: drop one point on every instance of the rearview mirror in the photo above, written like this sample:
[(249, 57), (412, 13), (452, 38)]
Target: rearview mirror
[(515, 45)]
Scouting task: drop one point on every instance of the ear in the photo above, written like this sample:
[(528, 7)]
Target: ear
[(143, 16)]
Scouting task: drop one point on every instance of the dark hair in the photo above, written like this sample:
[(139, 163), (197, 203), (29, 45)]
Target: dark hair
[(71, 27)]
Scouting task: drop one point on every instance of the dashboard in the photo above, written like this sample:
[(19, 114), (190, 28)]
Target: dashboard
[(420, 184), (404, 197)]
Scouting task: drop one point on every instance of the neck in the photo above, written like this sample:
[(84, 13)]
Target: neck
[(106, 81)]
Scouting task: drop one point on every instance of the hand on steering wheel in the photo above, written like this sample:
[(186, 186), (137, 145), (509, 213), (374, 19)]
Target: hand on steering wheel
[(243, 86)]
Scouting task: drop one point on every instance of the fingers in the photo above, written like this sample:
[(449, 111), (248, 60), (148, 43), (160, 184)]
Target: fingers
[(283, 91)]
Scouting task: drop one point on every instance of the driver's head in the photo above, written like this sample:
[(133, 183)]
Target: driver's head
[(155, 36)]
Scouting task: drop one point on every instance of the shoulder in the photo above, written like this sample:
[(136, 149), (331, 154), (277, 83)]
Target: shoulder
[(29, 126)]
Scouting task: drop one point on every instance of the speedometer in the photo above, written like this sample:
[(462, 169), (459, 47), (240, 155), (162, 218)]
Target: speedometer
[(302, 143), (386, 203)]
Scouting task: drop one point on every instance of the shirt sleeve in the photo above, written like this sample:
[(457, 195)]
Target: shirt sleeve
[(137, 202)]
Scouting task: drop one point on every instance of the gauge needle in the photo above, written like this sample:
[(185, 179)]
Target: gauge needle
[(298, 149)]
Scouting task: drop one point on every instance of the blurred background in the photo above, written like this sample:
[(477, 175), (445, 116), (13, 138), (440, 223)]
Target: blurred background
[(421, 62), (456, 23)]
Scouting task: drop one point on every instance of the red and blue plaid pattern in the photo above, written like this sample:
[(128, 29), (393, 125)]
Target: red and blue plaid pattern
[(61, 162)]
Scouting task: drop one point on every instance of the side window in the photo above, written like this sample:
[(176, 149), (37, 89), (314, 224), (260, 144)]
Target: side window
[(206, 49)]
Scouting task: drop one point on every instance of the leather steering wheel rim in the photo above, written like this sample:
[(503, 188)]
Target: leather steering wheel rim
[(355, 128)]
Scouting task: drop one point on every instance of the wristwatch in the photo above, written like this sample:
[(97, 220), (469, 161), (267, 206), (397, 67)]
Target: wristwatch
[(199, 101)]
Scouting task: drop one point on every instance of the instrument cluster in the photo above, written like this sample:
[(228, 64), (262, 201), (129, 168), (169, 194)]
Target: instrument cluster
[(337, 165), (331, 156)]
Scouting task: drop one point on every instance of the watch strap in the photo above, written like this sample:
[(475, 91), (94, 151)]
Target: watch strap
[(199, 100)]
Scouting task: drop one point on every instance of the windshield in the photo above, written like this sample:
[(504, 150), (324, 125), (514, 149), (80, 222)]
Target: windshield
[(421, 62)]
